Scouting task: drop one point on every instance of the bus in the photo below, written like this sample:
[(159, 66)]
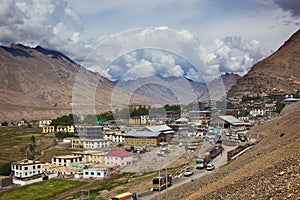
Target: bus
[(125, 196)]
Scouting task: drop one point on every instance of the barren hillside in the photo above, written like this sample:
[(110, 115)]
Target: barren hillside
[(279, 71), (38, 83), (270, 170)]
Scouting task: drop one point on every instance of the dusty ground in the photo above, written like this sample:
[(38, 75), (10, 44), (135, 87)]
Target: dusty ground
[(270, 170)]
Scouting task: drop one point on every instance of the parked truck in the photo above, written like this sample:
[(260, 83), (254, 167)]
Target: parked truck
[(202, 162), (125, 196), (161, 182), (216, 150)]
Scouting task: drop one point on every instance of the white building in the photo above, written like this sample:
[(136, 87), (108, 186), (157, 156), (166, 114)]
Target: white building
[(95, 143), (95, 172), (45, 122), (26, 168), (115, 136), (257, 112), (66, 160), (144, 119)]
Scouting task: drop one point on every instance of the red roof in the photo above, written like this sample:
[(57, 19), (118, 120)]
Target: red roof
[(119, 153)]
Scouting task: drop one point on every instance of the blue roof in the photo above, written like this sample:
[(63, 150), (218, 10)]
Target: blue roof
[(142, 134)]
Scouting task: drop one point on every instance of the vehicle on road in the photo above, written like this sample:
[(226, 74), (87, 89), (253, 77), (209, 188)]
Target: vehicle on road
[(234, 135), (216, 150), (243, 137), (203, 161), (188, 172), (125, 196), (210, 167), (228, 133), (161, 182), (232, 154)]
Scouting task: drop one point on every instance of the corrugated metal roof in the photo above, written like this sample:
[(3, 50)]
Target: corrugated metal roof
[(158, 128), (231, 119), (142, 134)]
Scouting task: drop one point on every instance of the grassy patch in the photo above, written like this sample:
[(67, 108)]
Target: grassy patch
[(42, 190), (28, 136)]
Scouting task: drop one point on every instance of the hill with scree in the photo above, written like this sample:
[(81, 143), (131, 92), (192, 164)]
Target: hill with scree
[(270, 170), (38, 83), (278, 72)]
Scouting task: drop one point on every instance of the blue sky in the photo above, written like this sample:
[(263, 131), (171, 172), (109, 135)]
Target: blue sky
[(222, 35)]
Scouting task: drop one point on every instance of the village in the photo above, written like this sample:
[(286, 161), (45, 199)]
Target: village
[(145, 143)]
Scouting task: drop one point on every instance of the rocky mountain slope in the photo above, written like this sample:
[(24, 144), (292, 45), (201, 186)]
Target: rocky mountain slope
[(38, 83), (278, 72), (174, 90), (270, 170)]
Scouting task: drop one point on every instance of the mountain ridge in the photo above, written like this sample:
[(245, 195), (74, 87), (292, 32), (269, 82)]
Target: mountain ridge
[(279, 72)]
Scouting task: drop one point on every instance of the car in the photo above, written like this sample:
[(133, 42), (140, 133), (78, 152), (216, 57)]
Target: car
[(243, 138), (188, 172), (227, 133), (210, 167), (234, 135)]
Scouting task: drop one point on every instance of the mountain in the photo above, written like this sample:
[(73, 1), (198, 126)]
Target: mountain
[(176, 90), (38, 83), (280, 72), (220, 86)]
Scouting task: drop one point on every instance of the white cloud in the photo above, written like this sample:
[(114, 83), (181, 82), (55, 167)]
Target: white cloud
[(49, 23), (56, 25)]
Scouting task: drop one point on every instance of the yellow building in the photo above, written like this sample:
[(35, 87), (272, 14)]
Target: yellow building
[(48, 129), (135, 120)]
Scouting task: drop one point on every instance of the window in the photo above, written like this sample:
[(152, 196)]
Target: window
[(25, 168), (92, 173), (98, 174), (33, 167)]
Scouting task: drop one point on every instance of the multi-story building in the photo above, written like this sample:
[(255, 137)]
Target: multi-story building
[(26, 168), (200, 116), (89, 132), (115, 135), (118, 158), (95, 143)]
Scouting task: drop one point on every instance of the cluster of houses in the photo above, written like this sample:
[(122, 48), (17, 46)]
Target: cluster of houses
[(85, 164), (100, 148)]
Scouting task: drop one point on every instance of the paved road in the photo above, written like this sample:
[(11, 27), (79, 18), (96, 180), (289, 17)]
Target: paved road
[(218, 162)]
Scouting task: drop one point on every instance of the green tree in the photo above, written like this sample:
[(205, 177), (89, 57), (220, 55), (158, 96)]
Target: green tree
[(5, 123), (65, 120), (279, 107), (244, 113), (5, 169), (32, 139), (106, 116), (168, 107)]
